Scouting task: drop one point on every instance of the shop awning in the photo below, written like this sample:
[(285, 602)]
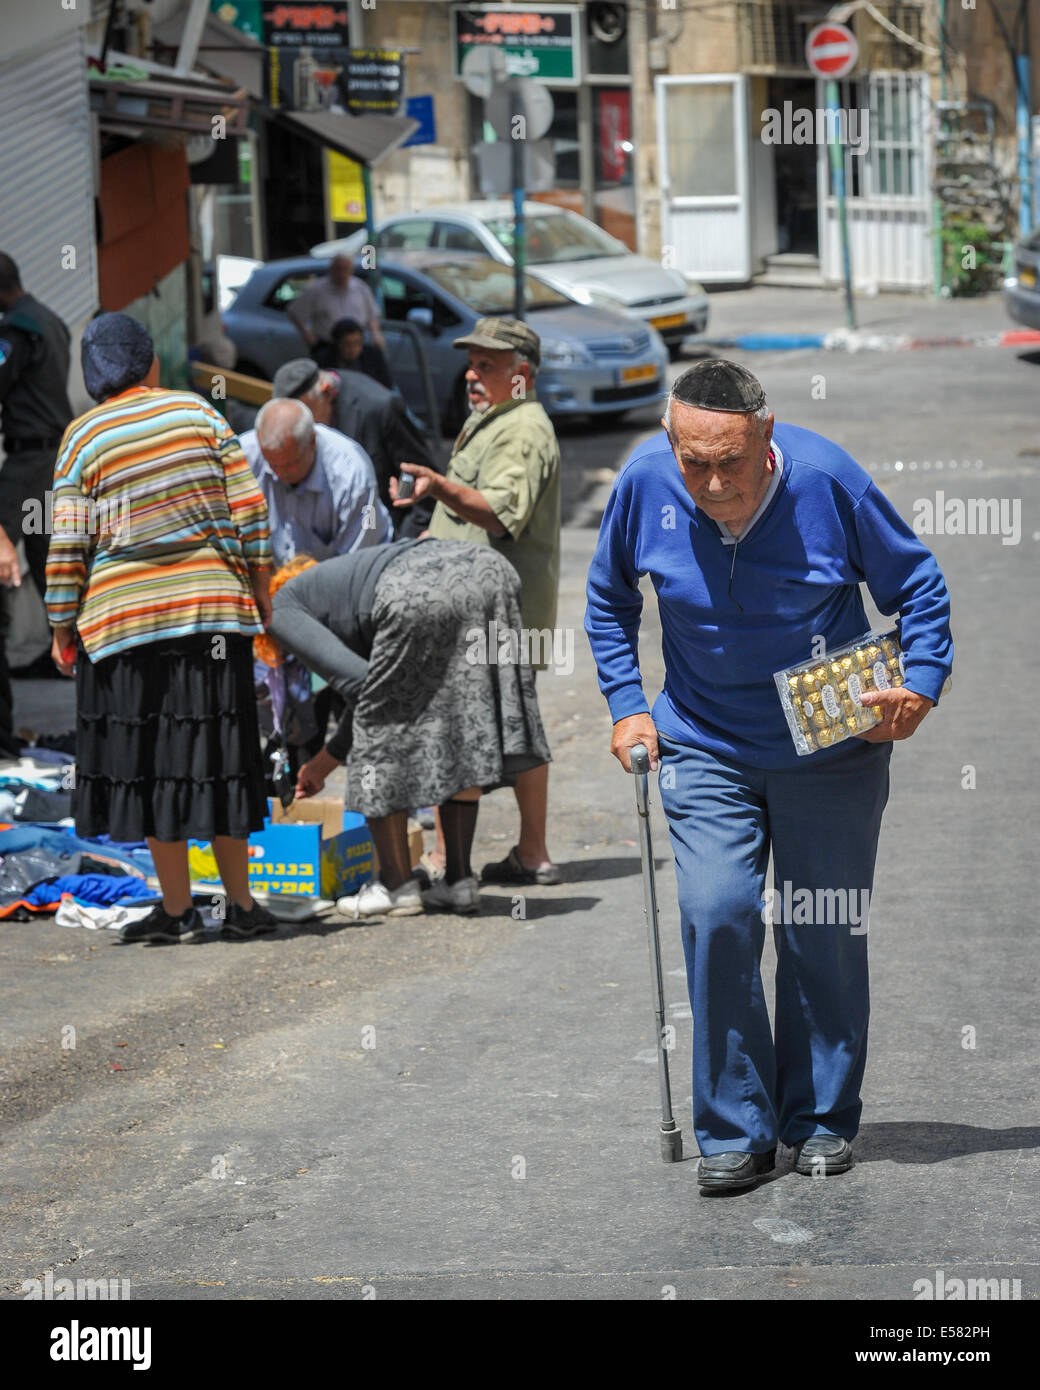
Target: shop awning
[(366, 139)]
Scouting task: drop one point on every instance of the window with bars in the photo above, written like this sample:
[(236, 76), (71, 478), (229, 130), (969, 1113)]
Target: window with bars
[(773, 34)]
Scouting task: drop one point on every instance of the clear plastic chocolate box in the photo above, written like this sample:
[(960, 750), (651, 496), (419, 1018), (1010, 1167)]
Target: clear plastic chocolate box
[(821, 697)]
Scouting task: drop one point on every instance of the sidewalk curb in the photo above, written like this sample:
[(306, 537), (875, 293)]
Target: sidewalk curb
[(859, 340)]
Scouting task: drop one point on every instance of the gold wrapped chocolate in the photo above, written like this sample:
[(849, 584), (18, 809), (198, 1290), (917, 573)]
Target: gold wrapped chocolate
[(820, 719), (848, 707), (808, 680), (846, 663), (820, 675), (868, 717), (862, 659), (850, 724), (792, 685), (823, 738)]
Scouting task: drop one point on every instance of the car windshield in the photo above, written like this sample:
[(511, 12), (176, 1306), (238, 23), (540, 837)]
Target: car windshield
[(486, 286), (555, 237)]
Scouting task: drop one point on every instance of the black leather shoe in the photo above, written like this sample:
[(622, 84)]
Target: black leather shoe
[(732, 1171), (835, 1153)]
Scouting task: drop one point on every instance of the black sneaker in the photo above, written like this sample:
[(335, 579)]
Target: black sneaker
[(241, 924), (160, 926)]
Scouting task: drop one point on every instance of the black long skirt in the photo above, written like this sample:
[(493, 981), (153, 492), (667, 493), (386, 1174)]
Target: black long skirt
[(168, 742)]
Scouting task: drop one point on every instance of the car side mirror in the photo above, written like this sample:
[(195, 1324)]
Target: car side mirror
[(421, 317)]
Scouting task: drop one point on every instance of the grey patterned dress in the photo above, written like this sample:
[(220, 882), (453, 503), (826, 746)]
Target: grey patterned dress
[(428, 714)]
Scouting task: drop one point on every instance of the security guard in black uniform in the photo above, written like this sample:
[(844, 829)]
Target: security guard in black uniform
[(34, 413)]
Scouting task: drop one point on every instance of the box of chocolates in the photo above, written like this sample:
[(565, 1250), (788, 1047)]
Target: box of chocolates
[(821, 697)]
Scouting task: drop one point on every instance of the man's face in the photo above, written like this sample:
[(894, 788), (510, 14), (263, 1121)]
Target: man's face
[(490, 376), (289, 462), (349, 346), (722, 459), (340, 271)]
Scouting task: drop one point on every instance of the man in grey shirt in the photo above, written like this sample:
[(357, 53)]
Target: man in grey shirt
[(337, 295), (320, 487)]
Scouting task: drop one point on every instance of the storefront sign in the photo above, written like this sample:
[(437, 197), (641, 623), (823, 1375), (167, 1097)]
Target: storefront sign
[(540, 41), (373, 80), (345, 190), (307, 48)]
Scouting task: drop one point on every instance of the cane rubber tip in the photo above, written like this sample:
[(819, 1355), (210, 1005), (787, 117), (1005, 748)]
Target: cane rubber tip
[(639, 760), (671, 1146)]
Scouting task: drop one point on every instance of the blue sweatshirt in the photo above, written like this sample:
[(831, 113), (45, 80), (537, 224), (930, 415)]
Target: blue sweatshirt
[(796, 574)]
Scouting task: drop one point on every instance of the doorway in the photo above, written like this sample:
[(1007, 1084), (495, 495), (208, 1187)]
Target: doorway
[(797, 196)]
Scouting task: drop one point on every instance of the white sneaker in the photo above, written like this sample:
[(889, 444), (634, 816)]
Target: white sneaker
[(461, 897), (376, 900)]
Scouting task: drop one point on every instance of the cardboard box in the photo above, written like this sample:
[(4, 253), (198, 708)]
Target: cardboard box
[(314, 848)]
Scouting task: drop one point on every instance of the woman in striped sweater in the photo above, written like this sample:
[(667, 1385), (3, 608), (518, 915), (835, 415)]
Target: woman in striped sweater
[(157, 581)]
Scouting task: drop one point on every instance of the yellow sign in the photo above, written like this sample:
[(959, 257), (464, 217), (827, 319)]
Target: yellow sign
[(345, 192)]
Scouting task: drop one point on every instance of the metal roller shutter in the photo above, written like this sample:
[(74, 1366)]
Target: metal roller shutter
[(46, 176)]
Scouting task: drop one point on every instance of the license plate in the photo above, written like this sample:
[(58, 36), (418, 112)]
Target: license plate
[(638, 373), (669, 321), (1027, 277)]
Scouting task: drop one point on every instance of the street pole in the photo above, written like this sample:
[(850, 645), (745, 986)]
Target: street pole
[(517, 123), (836, 153)]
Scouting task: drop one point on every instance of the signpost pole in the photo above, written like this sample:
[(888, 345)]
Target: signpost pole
[(517, 124), (837, 158)]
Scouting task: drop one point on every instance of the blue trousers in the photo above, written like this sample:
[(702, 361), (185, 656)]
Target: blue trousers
[(822, 821)]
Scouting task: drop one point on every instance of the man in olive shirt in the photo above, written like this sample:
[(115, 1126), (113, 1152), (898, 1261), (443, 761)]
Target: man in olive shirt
[(502, 488)]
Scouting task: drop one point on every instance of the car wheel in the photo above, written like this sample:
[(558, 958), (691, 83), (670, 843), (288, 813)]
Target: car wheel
[(675, 350), (610, 418)]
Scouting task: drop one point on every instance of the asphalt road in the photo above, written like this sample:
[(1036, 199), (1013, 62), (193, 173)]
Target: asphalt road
[(222, 1131)]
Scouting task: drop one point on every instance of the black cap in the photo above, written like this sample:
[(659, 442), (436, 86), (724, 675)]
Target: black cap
[(716, 384)]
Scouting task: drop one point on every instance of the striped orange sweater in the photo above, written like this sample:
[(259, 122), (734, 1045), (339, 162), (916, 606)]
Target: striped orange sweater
[(157, 523)]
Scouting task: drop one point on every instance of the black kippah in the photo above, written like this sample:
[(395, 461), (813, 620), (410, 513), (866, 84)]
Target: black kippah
[(719, 385)]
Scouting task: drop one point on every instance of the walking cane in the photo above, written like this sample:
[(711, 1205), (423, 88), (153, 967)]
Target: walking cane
[(671, 1137)]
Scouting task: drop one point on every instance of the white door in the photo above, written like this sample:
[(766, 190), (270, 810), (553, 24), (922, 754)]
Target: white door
[(702, 140), (888, 201)]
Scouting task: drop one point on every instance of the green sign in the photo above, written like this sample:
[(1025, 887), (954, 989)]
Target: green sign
[(540, 41), (243, 14)]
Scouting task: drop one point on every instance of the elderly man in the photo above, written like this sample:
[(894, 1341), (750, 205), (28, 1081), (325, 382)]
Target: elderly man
[(757, 542), (369, 414), (337, 295), (503, 489), (320, 488)]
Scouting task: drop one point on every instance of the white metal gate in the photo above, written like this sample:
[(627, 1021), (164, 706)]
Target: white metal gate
[(889, 205), (702, 142), (46, 176)]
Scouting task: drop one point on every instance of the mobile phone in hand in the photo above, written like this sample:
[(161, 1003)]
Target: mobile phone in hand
[(405, 485)]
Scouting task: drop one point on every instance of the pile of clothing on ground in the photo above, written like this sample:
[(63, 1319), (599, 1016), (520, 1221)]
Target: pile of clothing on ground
[(45, 867)]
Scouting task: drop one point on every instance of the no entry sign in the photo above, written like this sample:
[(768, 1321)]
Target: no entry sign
[(831, 50)]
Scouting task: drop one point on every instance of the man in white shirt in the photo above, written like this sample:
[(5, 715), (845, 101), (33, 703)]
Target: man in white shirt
[(320, 487)]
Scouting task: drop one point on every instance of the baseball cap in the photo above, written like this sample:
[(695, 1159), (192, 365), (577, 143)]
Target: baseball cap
[(295, 378), (716, 384), (503, 335)]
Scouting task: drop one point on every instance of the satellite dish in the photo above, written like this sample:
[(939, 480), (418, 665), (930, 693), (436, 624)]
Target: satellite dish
[(482, 70)]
